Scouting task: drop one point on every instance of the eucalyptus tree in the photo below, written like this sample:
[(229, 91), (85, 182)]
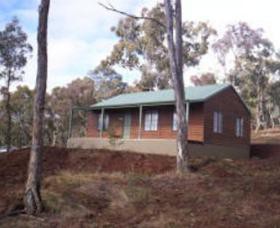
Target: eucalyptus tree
[(107, 82), (142, 46), (250, 61), (173, 14), (21, 109), (14, 50), (78, 93), (274, 102)]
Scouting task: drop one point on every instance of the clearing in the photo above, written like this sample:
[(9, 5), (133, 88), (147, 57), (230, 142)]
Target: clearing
[(97, 188)]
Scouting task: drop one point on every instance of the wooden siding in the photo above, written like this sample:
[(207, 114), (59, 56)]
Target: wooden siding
[(229, 104), (165, 122), (196, 122), (92, 125), (200, 121)]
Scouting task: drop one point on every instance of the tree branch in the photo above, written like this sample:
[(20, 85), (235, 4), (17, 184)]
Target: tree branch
[(110, 7)]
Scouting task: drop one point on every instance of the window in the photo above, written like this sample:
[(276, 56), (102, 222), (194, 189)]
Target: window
[(239, 127), (105, 122), (218, 122), (174, 124), (151, 121)]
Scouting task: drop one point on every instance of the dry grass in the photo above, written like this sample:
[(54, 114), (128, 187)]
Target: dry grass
[(269, 136), (221, 193)]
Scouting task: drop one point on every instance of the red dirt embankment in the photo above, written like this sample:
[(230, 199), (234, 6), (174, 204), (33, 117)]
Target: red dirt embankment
[(56, 159), (13, 166), (94, 188)]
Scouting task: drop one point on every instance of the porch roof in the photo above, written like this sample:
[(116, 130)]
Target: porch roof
[(160, 97)]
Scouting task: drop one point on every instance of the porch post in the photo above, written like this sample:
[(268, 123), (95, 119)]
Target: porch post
[(70, 123), (102, 123), (187, 114), (140, 121)]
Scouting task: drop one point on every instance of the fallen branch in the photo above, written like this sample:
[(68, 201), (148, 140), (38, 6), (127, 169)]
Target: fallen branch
[(12, 213), (21, 212), (110, 7), (33, 217)]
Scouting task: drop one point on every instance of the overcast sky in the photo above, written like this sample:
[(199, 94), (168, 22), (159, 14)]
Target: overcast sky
[(79, 30)]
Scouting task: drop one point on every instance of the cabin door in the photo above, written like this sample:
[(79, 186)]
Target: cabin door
[(126, 125)]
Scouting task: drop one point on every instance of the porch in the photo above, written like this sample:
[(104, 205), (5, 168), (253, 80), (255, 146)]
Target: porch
[(131, 122)]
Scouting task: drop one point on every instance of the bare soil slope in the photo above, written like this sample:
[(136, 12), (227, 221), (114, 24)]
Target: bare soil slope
[(86, 188)]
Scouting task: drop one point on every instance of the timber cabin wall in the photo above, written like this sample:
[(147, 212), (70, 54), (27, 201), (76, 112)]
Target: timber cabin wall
[(230, 105), (165, 122)]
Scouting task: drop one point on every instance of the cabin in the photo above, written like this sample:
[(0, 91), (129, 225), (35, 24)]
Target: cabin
[(218, 123)]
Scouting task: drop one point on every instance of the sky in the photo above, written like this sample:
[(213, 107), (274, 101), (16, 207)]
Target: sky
[(79, 31)]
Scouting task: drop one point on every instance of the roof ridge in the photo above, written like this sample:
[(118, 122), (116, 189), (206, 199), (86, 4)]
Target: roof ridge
[(161, 90), (193, 94)]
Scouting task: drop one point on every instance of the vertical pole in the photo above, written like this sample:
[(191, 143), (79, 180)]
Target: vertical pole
[(140, 121), (187, 115), (102, 122), (70, 123)]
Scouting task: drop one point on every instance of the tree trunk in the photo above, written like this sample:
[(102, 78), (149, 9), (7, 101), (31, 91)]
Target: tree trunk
[(176, 66), (54, 138), (8, 111), (32, 200), (260, 116)]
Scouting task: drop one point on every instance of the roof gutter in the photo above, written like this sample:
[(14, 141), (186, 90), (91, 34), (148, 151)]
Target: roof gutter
[(143, 104)]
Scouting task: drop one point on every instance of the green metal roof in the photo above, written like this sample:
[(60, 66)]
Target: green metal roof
[(193, 94)]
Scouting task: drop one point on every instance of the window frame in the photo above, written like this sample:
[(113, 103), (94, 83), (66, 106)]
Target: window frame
[(151, 124), (239, 127), (218, 122), (174, 121)]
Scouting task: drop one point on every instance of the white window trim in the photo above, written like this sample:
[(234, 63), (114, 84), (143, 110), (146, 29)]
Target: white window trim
[(217, 122), (151, 120)]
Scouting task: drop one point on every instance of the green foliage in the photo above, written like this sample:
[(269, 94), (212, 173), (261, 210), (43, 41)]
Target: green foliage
[(107, 83), (250, 62), (78, 93), (14, 50), (142, 46), (274, 102), (22, 103)]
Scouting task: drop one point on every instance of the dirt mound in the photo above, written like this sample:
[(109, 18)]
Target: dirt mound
[(114, 161), (13, 166)]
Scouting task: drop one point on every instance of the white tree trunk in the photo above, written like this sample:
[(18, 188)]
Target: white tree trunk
[(176, 66)]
